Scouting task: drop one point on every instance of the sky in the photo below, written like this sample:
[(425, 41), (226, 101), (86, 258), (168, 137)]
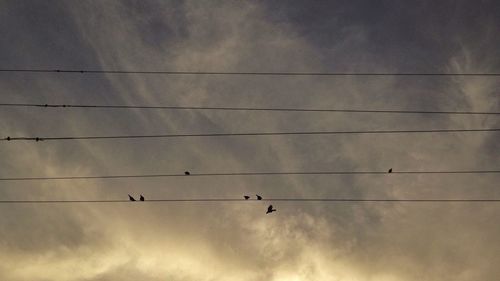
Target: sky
[(237, 240)]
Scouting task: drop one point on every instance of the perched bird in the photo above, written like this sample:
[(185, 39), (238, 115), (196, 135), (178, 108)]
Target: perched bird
[(131, 198), (390, 170), (270, 209), (187, 173), (142, 198), (258, 197), (246, 197)]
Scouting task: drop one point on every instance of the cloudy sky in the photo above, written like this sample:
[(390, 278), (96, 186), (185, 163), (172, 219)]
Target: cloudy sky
[(237, 241)]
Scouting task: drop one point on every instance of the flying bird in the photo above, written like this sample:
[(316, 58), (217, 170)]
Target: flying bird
[(270, 209), (258, 197), (390, 170), (131, 198), (187, 173), (246, 197), (142, 198)]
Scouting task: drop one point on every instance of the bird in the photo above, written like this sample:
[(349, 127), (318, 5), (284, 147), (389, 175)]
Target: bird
[(390, 170), (258, 197), (131, 198), (270, 209), (142, 198), (246, 197), (187, 173)]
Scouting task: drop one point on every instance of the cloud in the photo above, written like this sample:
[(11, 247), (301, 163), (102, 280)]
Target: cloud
[(233, 241)]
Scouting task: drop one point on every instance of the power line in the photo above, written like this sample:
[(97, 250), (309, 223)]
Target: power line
[(90, 71), (246, 109), (354, 200), (246, 174), (37, 139)]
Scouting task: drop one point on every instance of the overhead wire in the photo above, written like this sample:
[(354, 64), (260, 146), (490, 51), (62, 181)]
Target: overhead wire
[(252, 134), (252, 73), (245, 174), (382, 111), (355, 200), (39, 139)]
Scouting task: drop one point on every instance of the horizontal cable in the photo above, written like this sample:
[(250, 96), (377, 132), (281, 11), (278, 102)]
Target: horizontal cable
[(280, 73), (248, 134), (246, 174), (253, 200), (247, 109)]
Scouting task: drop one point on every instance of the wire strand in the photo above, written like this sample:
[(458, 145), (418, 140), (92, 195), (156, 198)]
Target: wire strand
[(37, 139), (253, 200), (251, 73), (247, 109), (247, 174)]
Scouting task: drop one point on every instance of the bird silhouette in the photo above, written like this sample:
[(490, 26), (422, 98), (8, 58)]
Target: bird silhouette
[(142, 198), (187, 173), (258, 197), (246, 197), (131, 198), (270, 209), (390, 170)]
